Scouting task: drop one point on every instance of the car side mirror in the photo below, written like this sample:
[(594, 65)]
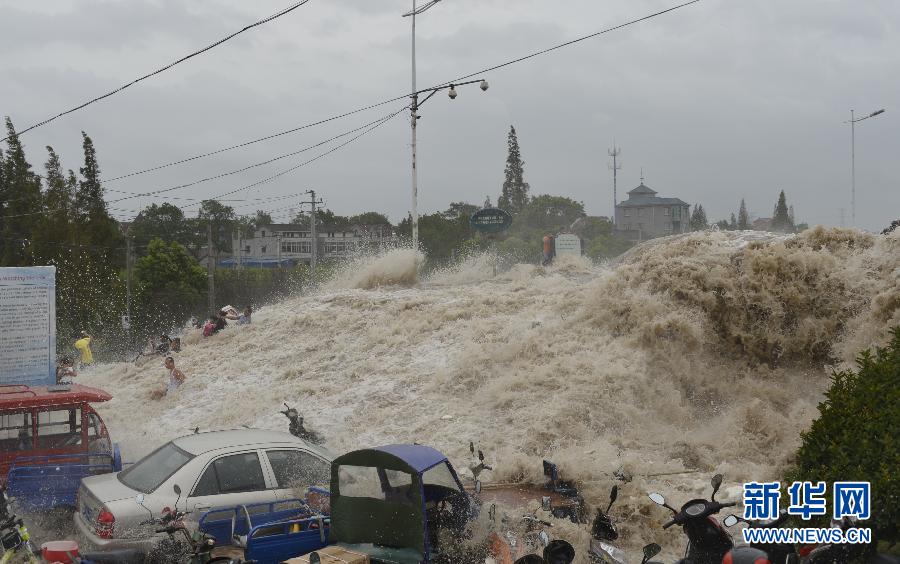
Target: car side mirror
[(730, 521), (658, 499), (651, 550)]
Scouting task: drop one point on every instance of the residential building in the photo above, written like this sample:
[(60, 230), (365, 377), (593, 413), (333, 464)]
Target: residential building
[(644, 215), (290, 244)]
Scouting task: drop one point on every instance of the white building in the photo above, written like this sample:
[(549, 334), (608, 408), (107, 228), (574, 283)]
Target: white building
[(289, 244)]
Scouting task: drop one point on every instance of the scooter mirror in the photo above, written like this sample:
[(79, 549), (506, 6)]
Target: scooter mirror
[(177, 489), (716, 482), (613, 494), (651, 550), (656, 498), (139, 498), (478, 486), (730, 521), (545, 538)]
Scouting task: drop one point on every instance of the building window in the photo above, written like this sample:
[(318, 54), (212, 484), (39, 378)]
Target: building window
[(263, 250), (336, 247), (304, 234), (296, 247), (666, 211), (627, 213), (263, 232), (247, 249)]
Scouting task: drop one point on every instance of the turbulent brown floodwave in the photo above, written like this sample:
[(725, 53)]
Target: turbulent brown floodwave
[(698, 354)]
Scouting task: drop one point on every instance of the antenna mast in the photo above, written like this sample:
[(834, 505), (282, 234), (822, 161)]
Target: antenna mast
[(614, 153)]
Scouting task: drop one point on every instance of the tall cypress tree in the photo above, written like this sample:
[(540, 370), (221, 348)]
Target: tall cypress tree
[(514, 195), (732, 225), (743, 218), (781, 219), (698, 218), (21, 193)]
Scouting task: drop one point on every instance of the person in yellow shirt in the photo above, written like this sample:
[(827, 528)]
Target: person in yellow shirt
[(84, 347)]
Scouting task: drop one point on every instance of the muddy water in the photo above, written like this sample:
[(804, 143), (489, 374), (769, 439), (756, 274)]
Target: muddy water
[(692, 355)]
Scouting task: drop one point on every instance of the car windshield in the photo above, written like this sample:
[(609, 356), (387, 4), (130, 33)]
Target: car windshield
[(149, 472)]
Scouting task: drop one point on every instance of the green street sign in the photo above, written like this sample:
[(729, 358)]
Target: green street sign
[(490, 220)]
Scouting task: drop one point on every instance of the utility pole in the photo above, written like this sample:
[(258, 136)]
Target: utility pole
[(614, 153), (314, 247), (210, 272), (413, 109), (239, 247), (842, 217), (853, 121), (128, 287), (278, 246)]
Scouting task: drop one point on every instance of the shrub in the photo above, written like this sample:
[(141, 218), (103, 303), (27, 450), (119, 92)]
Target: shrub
[(857, 435)]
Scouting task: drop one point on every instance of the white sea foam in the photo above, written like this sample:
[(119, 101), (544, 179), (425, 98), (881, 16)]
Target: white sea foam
[(700, 353)]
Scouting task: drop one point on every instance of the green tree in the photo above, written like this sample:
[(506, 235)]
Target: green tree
[(698, 218), (722, 225), (169, 286), (733, 224), (743, 219), (221, 219), (54, 229), (514, 195), (781, 220), (855, 437), (458, 209), (20, 192), (166, 222), (369, 218)]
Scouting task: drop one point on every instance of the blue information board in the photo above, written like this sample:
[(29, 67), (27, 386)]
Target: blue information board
[(28, 325)]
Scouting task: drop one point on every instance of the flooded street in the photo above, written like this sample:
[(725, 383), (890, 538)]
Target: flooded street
[(677, 360)]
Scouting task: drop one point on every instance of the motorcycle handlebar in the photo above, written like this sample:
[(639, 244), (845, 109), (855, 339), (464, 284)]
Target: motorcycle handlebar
[(669, 524)]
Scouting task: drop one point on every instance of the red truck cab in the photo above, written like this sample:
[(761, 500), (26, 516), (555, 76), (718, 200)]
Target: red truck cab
[(53, 426)]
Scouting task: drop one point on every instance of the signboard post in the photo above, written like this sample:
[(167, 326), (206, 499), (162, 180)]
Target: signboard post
[(568, 244), (28, 338), (491, 222)]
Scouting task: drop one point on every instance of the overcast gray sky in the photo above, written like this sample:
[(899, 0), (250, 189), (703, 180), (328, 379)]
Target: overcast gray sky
[(718, 101)]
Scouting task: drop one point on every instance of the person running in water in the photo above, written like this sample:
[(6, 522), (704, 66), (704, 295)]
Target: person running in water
[(84, 347), (549, 250)]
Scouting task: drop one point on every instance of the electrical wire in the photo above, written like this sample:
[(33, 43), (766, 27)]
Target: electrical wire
[(254, 165), (396, 98), (276, 15)]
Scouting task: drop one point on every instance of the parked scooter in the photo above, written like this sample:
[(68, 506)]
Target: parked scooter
[(603, 531), (847, 552), (708, 542), (477, 466), (16, 540), (297, 429), (198, 545), (777, 553)]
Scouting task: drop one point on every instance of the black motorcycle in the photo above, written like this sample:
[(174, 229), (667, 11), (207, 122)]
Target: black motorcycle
[(778, 553), (297, 429), (603, 532), (708, 542)]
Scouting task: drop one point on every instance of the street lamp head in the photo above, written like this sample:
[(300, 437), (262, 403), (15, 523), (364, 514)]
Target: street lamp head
[(484, 87), (881, 111), (452, 92)]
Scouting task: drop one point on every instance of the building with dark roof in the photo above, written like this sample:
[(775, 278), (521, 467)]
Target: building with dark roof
[(644, 215)]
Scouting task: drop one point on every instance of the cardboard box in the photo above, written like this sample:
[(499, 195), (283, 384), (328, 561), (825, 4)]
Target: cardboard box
[(333, 555)]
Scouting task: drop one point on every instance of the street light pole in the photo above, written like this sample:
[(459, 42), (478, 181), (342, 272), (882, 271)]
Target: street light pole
[(853, 161), (413, 108)]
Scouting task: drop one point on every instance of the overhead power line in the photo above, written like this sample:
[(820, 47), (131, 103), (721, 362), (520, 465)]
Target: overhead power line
[(396, 98), (254, 165), (276, 15)]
